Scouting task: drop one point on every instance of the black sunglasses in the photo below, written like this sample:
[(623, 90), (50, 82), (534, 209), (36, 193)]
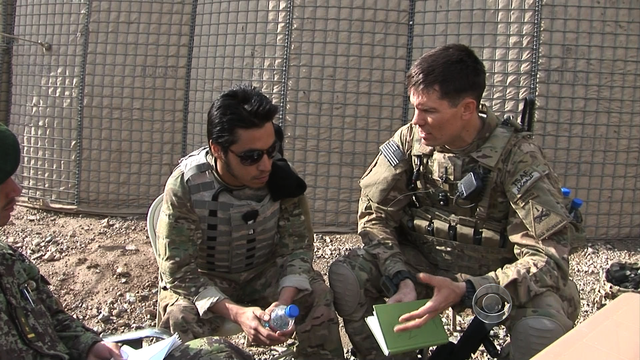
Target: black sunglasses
[(252, 157)]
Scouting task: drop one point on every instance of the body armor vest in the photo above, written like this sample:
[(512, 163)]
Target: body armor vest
[(460, 235), (238, 232)]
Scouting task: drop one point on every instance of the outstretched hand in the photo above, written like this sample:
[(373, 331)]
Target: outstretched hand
[(446, 293)]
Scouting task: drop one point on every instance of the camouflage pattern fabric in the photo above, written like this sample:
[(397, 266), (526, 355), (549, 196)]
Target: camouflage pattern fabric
[(179, 236), (42, 330), (189, 292), (367, 271), (523, 201), (223, 212), (317, 329), (208, 348)]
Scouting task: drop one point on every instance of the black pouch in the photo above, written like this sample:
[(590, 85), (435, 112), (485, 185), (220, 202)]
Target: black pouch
[(624, 275), (283, 182)]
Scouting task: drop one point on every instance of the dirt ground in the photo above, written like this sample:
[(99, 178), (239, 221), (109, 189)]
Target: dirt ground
[(104, 272)]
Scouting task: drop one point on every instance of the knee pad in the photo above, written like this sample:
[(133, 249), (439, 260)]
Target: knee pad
[(532, 334), (347, 294)]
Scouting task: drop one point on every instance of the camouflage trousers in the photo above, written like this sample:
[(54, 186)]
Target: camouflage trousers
[(208, 348), (317, 326), (353, 305)]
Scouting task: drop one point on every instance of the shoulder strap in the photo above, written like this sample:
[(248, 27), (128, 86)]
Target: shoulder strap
[(492, 151), (489, 155), (195, 163)]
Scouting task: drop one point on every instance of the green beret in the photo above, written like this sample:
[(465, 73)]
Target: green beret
[(9, 153)]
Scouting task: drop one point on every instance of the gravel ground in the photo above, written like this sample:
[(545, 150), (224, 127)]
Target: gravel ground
[(104, 272)]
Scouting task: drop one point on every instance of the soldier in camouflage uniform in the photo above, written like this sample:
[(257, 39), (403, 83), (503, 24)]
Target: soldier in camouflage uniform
[(505, 223), (235, 237), (33, 323)]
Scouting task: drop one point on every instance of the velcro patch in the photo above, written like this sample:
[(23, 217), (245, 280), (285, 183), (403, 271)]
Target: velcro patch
[(525, 198), (522, 182), (392, 152), (544, 221)]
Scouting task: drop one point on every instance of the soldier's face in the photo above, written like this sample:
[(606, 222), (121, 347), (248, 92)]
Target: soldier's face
[(438, 123), (9, 191), (231, 167)]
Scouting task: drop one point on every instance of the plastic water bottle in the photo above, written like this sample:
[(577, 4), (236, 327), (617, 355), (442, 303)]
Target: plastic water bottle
[(282, 317), (576, 203)]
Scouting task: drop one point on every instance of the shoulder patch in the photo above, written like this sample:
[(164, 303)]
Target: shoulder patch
[(392, 152), (544, 221), (524, 180)]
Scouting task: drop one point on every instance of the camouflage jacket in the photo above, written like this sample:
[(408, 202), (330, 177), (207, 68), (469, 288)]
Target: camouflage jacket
[(524, 202), (179, 235), (33, 324)]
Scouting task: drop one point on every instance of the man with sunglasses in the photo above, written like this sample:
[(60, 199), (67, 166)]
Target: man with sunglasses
[(235, 237)]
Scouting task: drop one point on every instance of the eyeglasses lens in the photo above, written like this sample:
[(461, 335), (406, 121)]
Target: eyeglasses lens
[(252, 157)]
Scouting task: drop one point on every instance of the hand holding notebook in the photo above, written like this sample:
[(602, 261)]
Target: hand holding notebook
[(385, 318)]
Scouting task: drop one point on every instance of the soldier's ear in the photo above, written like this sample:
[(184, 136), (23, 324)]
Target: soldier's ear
[(468, 107), (215, 150)]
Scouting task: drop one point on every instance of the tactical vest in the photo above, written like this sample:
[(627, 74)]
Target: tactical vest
[(237, 234), (454, 234)]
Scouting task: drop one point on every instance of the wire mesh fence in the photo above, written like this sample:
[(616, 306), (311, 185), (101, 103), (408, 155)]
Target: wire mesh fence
[(6, 27), (46, 97), (123, 93), (588, 94), (234, 42)]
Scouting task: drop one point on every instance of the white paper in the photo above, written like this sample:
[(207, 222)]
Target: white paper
[(374, 326), (157, 351)]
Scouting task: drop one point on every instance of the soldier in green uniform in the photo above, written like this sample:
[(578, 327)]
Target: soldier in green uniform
[(33, 323), (463, 201), (235, 237)]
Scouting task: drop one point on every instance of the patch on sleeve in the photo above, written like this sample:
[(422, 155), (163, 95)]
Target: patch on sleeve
[(544, 221), (525, 198), (523, 180), (392, 152)]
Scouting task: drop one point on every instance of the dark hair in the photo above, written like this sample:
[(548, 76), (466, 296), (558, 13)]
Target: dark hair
[(454, 69), (241, 107)]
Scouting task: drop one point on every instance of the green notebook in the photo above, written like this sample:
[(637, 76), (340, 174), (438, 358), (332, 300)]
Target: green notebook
[(385, 318)]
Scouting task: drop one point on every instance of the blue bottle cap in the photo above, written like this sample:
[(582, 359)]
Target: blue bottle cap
[(576, 203), (292, 311), (565, 192)]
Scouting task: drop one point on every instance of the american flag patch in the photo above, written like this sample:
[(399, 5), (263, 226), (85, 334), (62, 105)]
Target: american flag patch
[(392, 152)]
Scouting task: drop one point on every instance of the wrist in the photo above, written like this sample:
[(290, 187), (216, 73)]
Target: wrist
[(461, 288), (235, 313), (228, 309), (467, 291), (287, 295), (403, 276), (400, 279), (406, 284)]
